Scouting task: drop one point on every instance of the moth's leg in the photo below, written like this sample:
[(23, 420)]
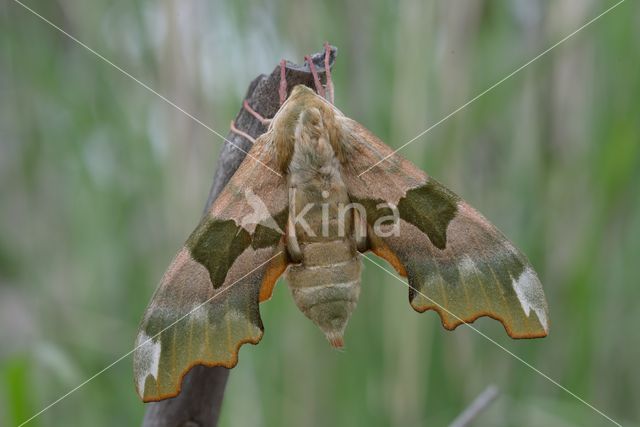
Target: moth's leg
[(234, 129), (255, 114), (360, 230), (282, 92), (292, 240), (327, 70), (316, 79)]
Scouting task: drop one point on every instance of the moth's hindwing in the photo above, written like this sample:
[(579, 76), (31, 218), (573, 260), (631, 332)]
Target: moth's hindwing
[(457, 263), (206, 305)]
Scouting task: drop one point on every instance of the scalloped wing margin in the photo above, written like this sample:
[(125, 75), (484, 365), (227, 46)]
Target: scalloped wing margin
[(190, 323), (457, 263), (207, 303)]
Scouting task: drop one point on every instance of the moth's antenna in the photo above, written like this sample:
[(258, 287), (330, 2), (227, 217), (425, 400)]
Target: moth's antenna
[(316, 79), (327, 70), (265, 121), (234, 129)]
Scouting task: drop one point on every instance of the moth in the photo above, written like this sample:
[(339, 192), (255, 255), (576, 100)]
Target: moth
[(315, 192)]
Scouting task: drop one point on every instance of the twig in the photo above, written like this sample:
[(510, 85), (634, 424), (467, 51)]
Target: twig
[(478, 405), (199, 403)]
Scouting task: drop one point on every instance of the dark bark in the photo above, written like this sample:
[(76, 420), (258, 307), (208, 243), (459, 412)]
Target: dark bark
[(199, 403)]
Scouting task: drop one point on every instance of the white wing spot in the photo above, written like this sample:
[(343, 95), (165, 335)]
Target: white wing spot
[(147, 359), (234, 315), (529, 292), (466, 265)]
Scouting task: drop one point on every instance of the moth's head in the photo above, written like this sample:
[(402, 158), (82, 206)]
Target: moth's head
[(305, 110), (301, 98), (302, 92)]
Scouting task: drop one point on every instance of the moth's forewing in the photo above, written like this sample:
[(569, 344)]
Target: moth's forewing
[(206, 305), (457, 263)]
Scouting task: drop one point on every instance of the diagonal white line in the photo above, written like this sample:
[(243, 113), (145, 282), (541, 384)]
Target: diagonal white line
[(493, 86), (144, 85), (124, 356), (488, 338)]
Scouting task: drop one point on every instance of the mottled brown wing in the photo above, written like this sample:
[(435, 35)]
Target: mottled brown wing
[(457, 263), (206, 305)]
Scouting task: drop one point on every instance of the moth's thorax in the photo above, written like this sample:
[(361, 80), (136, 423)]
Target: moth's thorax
[(315, 183), (306, 113), (325, 281), (317, 192)]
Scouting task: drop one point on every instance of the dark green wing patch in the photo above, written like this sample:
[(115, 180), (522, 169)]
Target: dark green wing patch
[(375, 208), (266, 236), (217, 244), (430, 208)]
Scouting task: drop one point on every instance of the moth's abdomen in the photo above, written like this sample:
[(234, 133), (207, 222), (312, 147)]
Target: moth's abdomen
[(326, 285)]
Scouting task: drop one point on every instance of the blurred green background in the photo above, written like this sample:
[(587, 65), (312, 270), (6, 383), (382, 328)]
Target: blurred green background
[(101, 181)]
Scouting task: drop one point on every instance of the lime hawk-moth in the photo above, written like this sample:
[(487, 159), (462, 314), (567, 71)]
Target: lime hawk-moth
[(315, 191)]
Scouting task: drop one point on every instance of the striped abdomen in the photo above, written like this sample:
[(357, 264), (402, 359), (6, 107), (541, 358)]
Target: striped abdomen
[(326, 285)]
